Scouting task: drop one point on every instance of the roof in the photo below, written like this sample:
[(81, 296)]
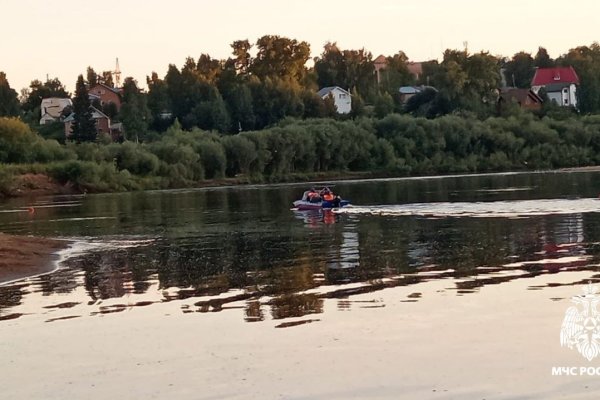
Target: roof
[(409, 90), (520, 95), (381, 59), (54, 106), (96, 114), (326, 90), (415, 68), (556, 87), (546, 76), (115, 90)]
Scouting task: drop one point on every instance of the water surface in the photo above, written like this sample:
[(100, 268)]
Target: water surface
[(438, 287)]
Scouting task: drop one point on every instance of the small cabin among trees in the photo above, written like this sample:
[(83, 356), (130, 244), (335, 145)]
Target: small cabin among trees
[(341, 98)]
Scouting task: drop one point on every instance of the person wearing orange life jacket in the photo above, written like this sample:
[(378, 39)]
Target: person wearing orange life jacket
[(327, 194)]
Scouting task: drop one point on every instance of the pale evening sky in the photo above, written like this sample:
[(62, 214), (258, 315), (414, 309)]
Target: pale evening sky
[(62, 38)]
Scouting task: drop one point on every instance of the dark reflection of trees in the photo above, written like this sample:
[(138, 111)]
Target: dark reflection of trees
[(63, 281), (253, 311), (11, 296), (282, 264), (287, 306), (109, 274)]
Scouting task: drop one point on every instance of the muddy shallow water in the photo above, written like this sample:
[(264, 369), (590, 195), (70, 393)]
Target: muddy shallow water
[(442, 288)]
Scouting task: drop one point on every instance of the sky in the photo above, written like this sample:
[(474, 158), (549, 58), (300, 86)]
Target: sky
[(60, 39)]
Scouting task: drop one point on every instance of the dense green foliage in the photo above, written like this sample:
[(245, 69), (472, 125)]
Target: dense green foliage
[(9, 103), (264, 82), (391, 146)]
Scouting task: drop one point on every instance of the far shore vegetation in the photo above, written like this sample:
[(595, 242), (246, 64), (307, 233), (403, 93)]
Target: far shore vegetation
[(258, 118)]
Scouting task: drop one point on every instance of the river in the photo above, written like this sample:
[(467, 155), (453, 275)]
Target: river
[(451, 287)]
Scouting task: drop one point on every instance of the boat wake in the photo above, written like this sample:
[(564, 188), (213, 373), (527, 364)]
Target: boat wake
[(505, 209)]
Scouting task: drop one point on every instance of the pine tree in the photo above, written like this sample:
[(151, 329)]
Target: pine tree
[(9, 103), (84, 127)]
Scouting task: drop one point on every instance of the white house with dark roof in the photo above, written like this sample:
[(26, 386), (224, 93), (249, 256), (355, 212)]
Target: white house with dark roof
[(341, 98), (51, 109)]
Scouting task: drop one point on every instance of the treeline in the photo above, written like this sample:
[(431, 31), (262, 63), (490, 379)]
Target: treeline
[(391, 146), (265, 82)]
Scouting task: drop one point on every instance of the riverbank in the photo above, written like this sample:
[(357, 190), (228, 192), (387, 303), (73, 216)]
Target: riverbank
[(34, 185), (23, 256)]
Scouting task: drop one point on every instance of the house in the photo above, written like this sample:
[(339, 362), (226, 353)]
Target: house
[(105, 94), (51, 109), (560, 84), (416, 69), (406, 92), (525, 98), (341, 98), (101, 120)]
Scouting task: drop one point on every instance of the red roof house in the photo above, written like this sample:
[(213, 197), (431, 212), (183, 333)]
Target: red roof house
[(546, 76), (560, 84)]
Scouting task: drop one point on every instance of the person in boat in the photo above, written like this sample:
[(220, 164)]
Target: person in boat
[(313, 196), (332, 198), (305, 195), (327, 194)]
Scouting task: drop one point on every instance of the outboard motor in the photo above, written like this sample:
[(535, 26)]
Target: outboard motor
[(336, 202)]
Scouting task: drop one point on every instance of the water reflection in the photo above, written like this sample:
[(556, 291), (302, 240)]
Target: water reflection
[(228, 249)]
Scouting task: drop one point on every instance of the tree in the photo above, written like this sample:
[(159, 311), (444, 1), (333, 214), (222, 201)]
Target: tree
[(542, 59), (519, 70), (241, 109), (242, 60), (330, 67), (158, 102), (84, 127), (134, 113), (384, 105), (280, 57), (349, 69), (9, 103), (106, 79), (586, 62), (396, 74), (208, 68), (467, 81), (92, 76)]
